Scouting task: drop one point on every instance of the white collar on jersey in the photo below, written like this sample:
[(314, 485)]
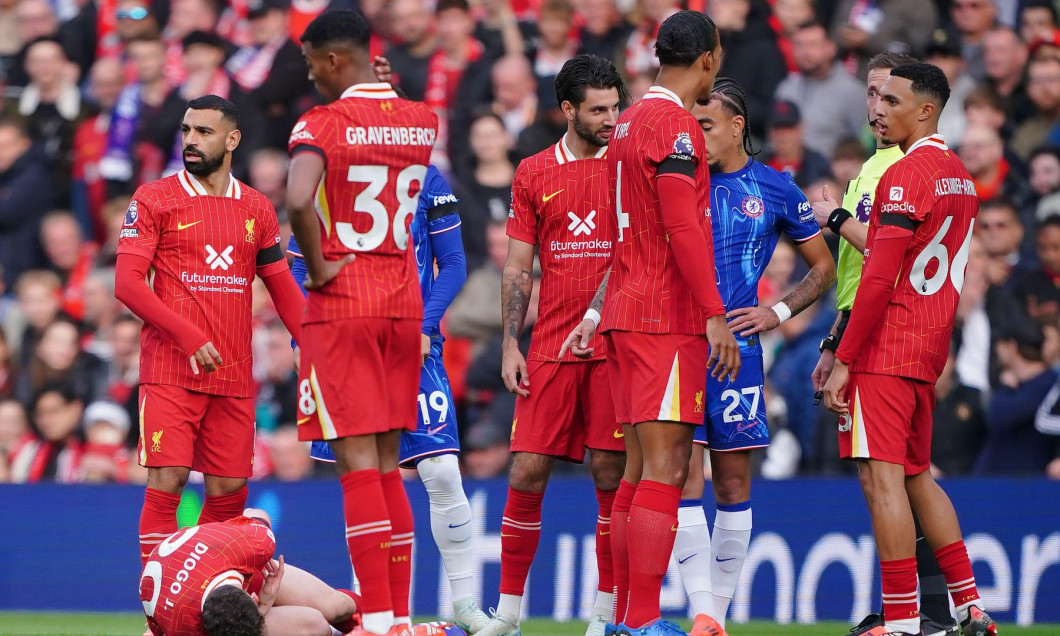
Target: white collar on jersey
[(658, 92), (192, 186), (229, 577), (935, 141), (564, 154), (378, 90)]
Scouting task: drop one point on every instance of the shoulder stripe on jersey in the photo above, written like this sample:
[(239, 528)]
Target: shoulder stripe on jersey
[(658, 92), (371, 91), (564, 153), (935, 141), (230, 577)]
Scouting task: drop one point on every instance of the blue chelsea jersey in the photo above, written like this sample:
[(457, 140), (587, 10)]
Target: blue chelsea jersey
[(750, 208)]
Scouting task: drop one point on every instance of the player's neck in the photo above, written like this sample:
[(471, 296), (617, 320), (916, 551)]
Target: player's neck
[(579, 147), (216, 183), (925, 130), (732, 162), (681, 83)]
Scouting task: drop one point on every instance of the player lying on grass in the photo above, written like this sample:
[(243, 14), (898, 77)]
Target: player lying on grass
[(221, 579)]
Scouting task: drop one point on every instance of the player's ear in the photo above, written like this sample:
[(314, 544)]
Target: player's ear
[(232, 141), (568, 109), (738, 124), (927, 109)]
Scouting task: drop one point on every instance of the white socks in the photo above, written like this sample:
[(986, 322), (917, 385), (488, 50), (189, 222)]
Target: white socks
[(732, 535), (377, 622), (605, 605), (692, 553), (450, 521), (509, 607)]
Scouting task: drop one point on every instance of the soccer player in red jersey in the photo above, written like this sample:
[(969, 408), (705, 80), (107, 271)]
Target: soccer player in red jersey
[(561, 204), (199, 237), (220, 578), (896, 343), (357, 167), (661, 302)]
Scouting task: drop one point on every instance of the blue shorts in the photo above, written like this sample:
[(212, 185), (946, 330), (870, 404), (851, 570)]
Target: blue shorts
[(436, 431), (735, 417)]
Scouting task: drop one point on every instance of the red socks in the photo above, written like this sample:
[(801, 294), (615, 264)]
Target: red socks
[(899, 589), (368, 537), (651, 532), (604, 564), (957, 568), (397, 503), (223, 507), (520, 532), (619, 555), (158, 520), (352, 622)]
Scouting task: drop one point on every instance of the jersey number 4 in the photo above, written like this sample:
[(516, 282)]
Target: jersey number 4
[(367, 201), (936, 251), (623, 217)]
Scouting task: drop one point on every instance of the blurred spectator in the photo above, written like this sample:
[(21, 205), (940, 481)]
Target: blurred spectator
[(1044, 167), (1037, 19), (1039, 290), (123, 372), (290, 457), (498, 28), (33, 19), (27, 192), (944, 52), (185, 18), (90, 143), (788, 16), (787, 152), (71, 257), (1003, 233), (972, 19), (1004, 60), (959, 429), (476, 311), (485, 451), (105, 458), (605, 31), (982, 151), (38, 293), (56, 454), (113, 221), (1043, 88), (640, 47), (272, 71), (58, 358), (411, 23), (972, 324), (277, 399), (101, 309), (751, 56), (847, 159), (485, 192), (516, 102), (10, 40), (553, 47), (52, 107), (983, 106), (8, 370), (135, 20), (1014, 446), (14, 425), (268, 175), (833, 102), (864, 29)]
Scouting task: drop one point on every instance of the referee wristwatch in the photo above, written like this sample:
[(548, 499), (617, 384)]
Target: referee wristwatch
[(831, 343)]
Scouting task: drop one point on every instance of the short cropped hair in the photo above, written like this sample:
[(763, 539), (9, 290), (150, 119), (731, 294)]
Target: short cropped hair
[(928, 80), (338, 26), (227, 109), (586, 71), (684, 37)]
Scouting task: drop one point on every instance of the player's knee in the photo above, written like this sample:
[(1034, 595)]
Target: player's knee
[(607, 468), (337, 607), (731, 489), (530, 472), (170, 479), (440, 476)]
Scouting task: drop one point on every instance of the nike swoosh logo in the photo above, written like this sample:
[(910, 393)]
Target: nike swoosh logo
[(547, 198), (605, 532), (460, 524), (144, 556), (304, 420), (673, 528), (687, 557), (184, 226), (743, 427), (721, 560), (435, 431), (619, 434)]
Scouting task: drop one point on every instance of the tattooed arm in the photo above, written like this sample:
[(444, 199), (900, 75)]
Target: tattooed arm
[(517, 284)]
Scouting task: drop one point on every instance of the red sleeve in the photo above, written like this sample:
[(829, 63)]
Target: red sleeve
[(287, 298), (691, 245), (903, 191), (139, 232), (130, 288), (260, 543), (522, 217), (878, 280), (308, 134)]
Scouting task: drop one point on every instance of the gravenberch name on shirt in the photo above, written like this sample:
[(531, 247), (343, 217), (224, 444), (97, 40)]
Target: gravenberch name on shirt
[(389, 136)]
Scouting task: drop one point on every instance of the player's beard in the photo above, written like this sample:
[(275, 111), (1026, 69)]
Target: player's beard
[(588, 135), (206, 165)]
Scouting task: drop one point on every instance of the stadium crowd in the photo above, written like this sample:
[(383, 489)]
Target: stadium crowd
[(93, 93)]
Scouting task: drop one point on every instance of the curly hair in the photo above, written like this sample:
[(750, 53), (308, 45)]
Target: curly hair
[(229, 611)]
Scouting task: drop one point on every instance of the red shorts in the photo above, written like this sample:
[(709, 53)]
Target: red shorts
[(658, 377), (890, 420), (569, 409), (358, 377), (213, 434)]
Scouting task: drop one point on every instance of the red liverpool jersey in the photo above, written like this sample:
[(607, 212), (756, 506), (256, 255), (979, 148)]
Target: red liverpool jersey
[(646, 292), (376, 147), (191, 563), (563, 205), (204, 253), (931, 186)]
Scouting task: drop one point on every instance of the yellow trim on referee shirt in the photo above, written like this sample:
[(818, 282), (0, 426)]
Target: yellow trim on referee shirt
[(326, 425), (670, 408), (323, 211)]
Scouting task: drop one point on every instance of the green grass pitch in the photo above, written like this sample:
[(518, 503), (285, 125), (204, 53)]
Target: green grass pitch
[(61, 624)]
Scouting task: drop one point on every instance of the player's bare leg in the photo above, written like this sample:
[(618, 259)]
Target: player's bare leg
[(606, 468), (620, 520), (667, 447), (692, 543), (942, 531), (158, 517), (225, 498), (731, 479), (300, 590)]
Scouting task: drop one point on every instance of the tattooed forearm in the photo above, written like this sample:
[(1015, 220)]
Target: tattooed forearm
[(810, 288), (516, 287), (601, 291)]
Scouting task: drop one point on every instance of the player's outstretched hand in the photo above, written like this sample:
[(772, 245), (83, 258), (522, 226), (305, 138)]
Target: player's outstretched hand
[(835, 389), (748, 321), (316, 280), (724, 361), (271, 587), (513, 370), (578, 341), (382, 70), (206, 358), (823, 209)]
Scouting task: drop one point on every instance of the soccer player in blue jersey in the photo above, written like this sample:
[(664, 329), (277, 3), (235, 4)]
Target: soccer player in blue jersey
[(751, 205), (432, 449)]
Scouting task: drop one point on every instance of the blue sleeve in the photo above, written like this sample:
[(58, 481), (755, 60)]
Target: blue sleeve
[(797, 220), (443, 228), (298, 270)]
